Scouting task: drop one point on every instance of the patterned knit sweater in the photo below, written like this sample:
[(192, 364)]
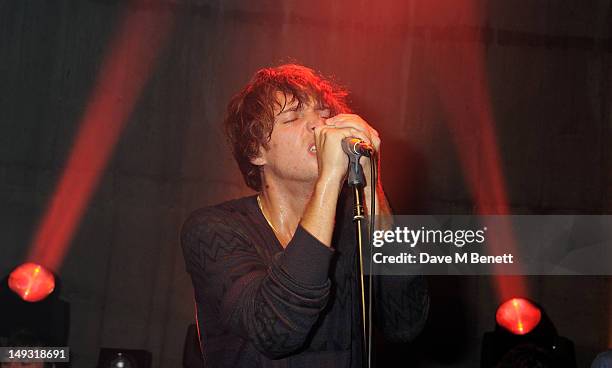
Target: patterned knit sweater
[(259, 305)]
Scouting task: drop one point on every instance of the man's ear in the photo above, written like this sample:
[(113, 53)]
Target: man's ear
[(260, 160)]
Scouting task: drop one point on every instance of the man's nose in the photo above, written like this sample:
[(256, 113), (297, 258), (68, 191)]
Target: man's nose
[(315, 120)]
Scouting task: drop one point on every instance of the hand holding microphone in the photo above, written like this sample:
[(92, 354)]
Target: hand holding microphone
[(341, 141), (366, 140), (355, 146)]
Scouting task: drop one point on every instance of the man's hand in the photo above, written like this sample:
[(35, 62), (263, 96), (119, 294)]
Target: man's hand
[(332, 160), (319, 215), (360, 129), (369, 135)]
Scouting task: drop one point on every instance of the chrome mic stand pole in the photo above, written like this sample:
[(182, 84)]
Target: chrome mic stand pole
[(356, 180)]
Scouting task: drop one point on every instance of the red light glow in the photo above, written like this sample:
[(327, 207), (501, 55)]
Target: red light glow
[(460, 72), (518, 316), (31, 282), (124, 72)]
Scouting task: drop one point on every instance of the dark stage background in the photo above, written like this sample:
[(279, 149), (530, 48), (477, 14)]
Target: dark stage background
[(425, 74)]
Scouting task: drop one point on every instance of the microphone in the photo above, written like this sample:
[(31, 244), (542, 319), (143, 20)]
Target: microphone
[(355, 146)]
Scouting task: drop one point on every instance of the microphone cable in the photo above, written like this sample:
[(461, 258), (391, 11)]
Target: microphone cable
[(373, 186)]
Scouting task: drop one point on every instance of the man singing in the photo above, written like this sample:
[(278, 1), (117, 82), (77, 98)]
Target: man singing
[(276, 275)]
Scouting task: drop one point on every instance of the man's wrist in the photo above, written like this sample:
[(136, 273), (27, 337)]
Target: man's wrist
[(329, 180)]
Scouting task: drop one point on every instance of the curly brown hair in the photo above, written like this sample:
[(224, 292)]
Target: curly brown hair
[(250, 113)]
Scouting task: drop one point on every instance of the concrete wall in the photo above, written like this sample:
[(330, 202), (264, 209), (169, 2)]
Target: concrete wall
[(548, 77)]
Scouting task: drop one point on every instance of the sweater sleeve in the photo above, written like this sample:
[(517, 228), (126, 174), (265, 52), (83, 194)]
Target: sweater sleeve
[(274, 305), (401, 306)]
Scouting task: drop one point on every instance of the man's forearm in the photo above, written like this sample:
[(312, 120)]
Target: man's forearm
[(319, 215)]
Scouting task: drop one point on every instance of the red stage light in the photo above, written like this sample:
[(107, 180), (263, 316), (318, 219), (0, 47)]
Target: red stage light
[(518, 316), (32, 282)]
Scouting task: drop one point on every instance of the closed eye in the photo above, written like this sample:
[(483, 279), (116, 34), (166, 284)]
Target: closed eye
[(324, 113), (291, 115)]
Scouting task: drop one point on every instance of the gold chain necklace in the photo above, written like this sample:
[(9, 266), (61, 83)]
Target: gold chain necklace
[(266, 217)]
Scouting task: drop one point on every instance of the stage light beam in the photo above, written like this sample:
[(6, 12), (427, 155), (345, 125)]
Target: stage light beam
[(126, 67), (459, 70)]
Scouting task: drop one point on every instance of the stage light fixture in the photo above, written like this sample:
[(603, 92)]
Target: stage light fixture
[(518, 316), (124, 358), (31, 305), (524, 336), (32, 282)]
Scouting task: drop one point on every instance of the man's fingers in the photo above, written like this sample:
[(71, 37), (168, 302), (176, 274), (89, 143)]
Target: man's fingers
[(354, 121), (341, 132), (360, 134)]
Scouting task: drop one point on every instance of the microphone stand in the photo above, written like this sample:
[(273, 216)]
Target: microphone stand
[(356, 180)]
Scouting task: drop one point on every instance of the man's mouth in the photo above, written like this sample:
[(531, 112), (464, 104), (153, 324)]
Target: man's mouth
[(312, 148)]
